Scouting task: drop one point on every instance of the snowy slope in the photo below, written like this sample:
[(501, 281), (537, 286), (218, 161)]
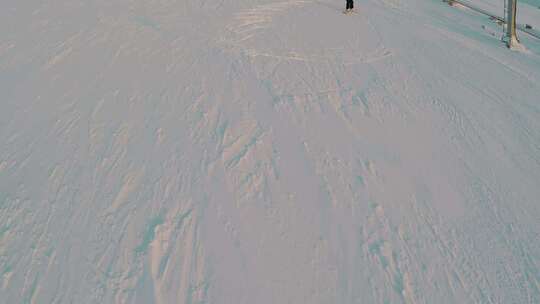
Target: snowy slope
[(258, 151), (528, 10)]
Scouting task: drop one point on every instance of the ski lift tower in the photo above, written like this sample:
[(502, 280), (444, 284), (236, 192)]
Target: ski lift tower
[(511, 37)]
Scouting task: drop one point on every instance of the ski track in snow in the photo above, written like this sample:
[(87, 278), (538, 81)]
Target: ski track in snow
[(266, 152)]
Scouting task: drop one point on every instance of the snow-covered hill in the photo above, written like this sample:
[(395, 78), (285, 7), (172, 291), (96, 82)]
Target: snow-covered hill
[(258, 151)]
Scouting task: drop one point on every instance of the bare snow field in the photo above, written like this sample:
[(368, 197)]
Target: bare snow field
[(258, 151)]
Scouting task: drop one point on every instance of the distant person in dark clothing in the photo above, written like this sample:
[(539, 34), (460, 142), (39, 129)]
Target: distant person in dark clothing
[(350, 6)]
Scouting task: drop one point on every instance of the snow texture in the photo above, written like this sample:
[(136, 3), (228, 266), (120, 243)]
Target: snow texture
[(258, 151)]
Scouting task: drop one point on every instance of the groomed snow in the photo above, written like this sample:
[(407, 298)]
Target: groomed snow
[(258, 151), (528, 10)]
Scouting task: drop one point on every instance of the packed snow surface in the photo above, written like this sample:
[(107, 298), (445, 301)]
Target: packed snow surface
[(258, 151), (528, 11)]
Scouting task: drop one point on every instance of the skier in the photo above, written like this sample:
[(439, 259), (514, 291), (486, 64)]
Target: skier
[(350, 6)]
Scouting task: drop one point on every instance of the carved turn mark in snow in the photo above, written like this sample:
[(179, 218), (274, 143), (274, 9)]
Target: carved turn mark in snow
[(249, 22), (261, 32), (381, 248), (172, 253), (131, 183)]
